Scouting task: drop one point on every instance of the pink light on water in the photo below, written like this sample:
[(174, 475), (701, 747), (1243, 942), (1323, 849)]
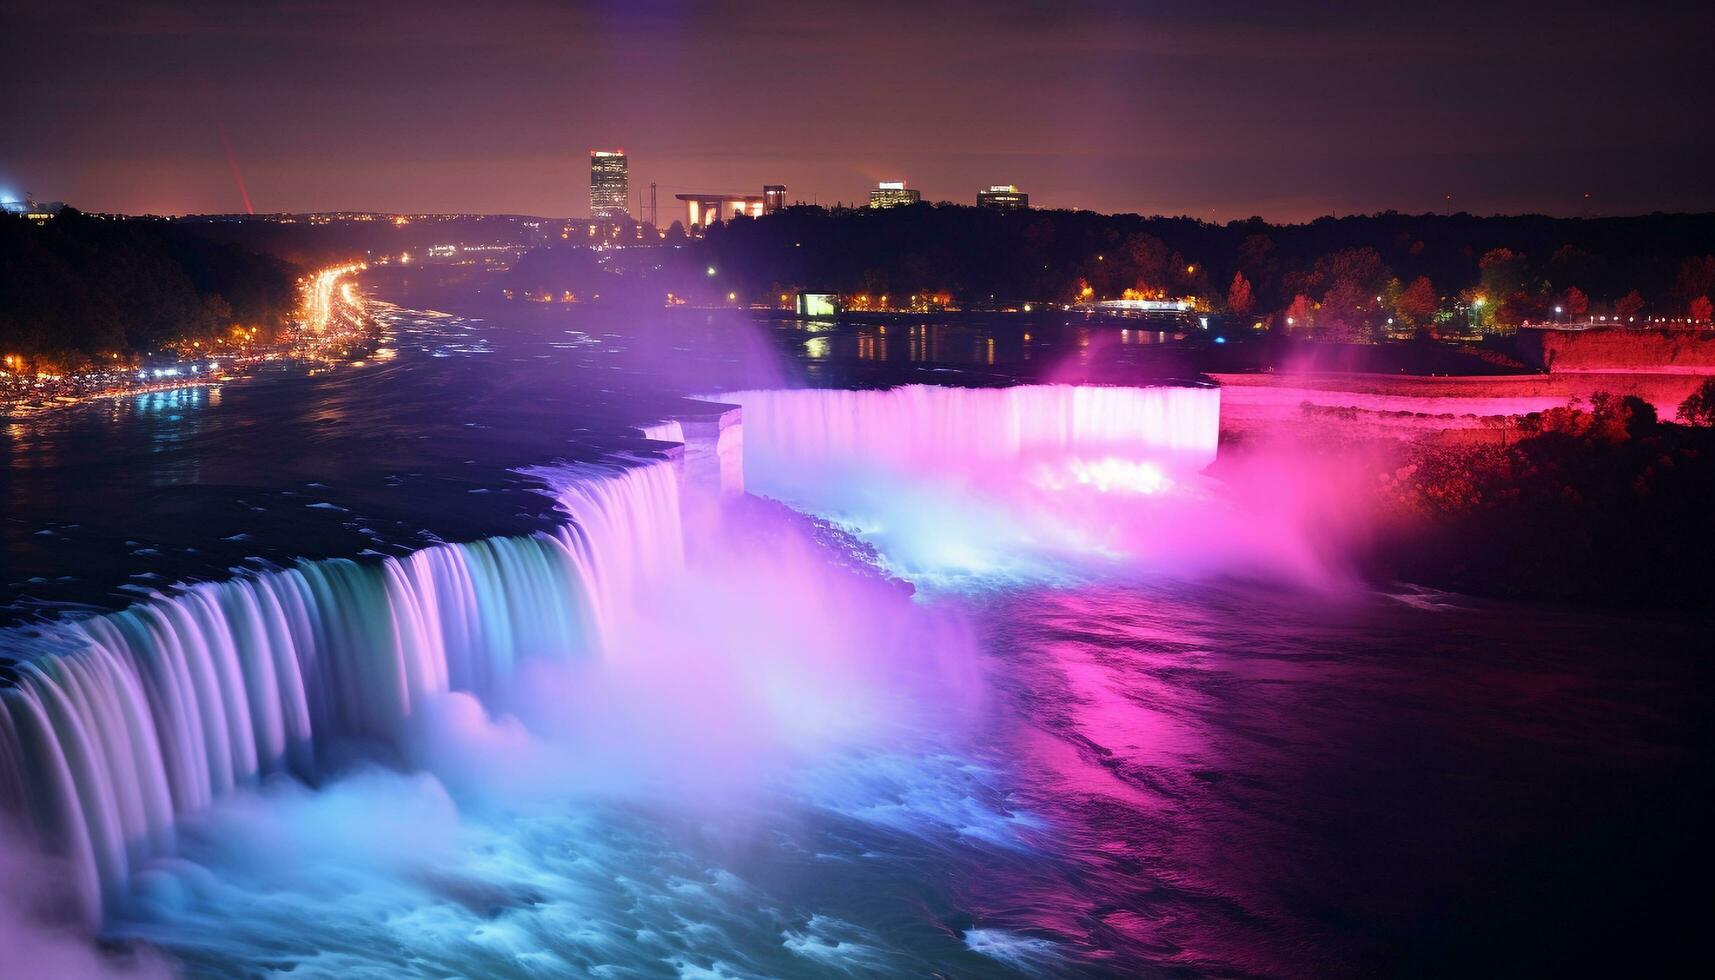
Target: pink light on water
[(956, 486), (1114, 474)]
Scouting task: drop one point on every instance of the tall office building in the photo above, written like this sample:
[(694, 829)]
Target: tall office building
[(891, 194), (1004, 197), (610, 185)]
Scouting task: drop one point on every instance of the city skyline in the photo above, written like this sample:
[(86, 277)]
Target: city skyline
[(1218, 113)]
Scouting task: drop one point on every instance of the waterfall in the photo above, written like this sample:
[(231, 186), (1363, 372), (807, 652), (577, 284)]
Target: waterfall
[(954, 486), (672, 430), (112, 727), (918, 425)]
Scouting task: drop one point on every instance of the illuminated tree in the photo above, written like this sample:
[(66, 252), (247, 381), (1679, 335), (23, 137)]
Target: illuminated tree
[(1699, 407), (1503, 272), (1479, 309), (1700, 309), (1350, 280), (1344, 312), (1239, 299), (1573, 302), (1505, 285), (1146, 262), (1629, 305), (1300, 316), (1418, 302)]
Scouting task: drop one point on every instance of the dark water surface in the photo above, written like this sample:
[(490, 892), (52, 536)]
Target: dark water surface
[(1255, 783), (1159, 777)]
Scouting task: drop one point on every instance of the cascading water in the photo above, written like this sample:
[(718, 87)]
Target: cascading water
[(916, 425), (1017, 483), (671, 430), (125, 722)]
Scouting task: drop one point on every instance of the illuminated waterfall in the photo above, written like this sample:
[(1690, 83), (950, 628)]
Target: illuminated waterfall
[(920, 425), (671, 430), (959, 485), (134, 718)]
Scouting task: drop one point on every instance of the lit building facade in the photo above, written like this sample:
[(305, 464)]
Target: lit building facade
[(610, 185), (703, 210), (892, 194), (1003, 197)]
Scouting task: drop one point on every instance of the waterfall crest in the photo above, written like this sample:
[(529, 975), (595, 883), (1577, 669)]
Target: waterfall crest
[(123, 722), (915, 425)]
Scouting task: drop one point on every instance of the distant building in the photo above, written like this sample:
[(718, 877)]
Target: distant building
[(892, 194), (1145, 305), (610, 185), (703, 210), (773, 197), (818, 304), (1003, 197), (30, 210)]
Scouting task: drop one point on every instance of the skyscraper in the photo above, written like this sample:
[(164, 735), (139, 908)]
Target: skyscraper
[(610, 185), (1004, 197), (892, 193)]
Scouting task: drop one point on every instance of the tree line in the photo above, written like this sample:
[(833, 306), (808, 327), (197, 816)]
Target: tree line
[(81, 289), (1345, 277)]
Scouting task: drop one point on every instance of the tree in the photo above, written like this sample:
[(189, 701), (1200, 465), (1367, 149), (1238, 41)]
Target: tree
[(1629, 305), (1573, 302), (1700, 309), (1344, 312), (1351, 279), (1418, 303), (1239, 299), (1145, 262), (1572, 264), (1698, 408), (1505, 284), (1503, 272), (1696, 278), (1300, 316)]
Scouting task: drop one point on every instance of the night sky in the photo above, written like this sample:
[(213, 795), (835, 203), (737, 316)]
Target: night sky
[(1218, 110)]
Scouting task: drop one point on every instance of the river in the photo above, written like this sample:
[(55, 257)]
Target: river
[(783, 764)]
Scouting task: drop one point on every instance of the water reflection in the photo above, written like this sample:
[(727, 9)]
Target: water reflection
[(1061, 349), (174, 402)]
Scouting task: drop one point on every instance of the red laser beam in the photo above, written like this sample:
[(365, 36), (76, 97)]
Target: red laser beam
[(232, 162)]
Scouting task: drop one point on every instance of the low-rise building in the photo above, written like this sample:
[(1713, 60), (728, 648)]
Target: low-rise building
[(1003, 197), (892, 194)]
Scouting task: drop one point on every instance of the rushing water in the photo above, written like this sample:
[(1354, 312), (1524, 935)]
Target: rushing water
[(1126, 725)]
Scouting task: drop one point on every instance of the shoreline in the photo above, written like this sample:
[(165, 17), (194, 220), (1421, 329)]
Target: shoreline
[(304, 346)]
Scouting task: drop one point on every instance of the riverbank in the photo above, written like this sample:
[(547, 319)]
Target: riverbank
[(1407, 406), (1599, 504), (332, 329)]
